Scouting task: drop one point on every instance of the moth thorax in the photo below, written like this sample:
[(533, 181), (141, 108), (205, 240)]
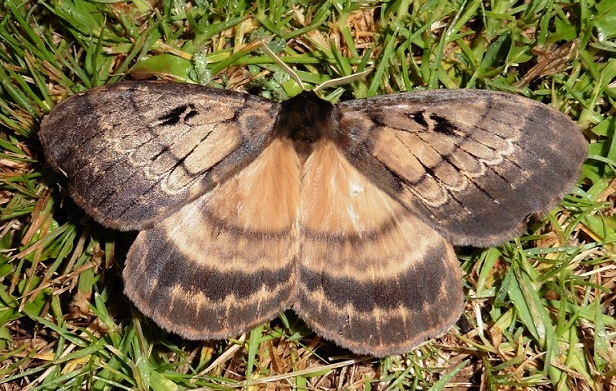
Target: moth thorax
[(305, 119)]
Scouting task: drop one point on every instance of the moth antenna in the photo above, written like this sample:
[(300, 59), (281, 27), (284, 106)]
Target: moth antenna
[(284, 66), (343, 80), (327, 84)]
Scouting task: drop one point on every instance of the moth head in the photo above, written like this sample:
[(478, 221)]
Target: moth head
[(305, 119)]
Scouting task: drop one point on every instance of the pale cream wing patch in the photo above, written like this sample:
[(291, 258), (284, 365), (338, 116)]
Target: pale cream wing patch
[(372, 277), (226, 262)]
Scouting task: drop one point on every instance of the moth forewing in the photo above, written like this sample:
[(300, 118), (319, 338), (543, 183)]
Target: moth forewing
[(136, 152), (458, 158)]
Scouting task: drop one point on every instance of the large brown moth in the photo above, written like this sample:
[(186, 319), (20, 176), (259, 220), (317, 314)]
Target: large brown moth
[(346, 213)]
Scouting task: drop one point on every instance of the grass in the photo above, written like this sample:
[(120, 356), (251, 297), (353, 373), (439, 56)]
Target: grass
[(540, 312)]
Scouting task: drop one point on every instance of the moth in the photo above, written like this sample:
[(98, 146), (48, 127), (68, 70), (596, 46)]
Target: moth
[(346, 213)]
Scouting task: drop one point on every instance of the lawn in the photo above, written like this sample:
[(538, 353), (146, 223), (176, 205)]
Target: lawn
[(540, 310)]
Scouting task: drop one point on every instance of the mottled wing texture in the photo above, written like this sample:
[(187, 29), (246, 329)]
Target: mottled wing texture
[(472, 164), (136, 152), (373, 277), (225, 262)]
